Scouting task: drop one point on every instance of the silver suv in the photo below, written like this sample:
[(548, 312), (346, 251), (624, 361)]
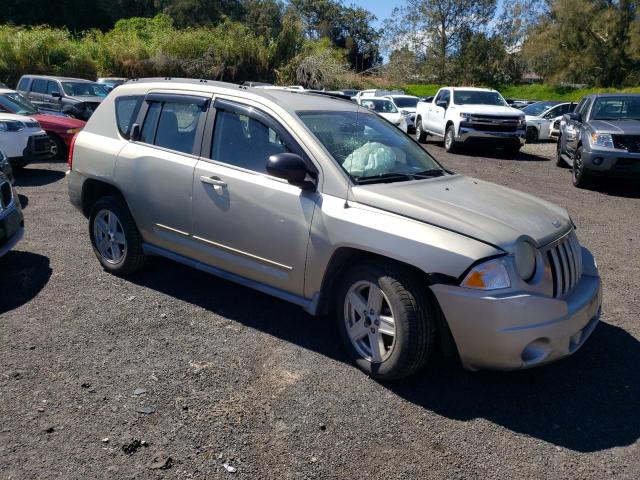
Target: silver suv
[(323, 203)]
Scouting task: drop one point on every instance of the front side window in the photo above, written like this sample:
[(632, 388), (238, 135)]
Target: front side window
[(244, 141), (616, 108), (369, 148), (443, 96), (478, 97), (52, 87), (84, 89), (585, 108), (177, 124)]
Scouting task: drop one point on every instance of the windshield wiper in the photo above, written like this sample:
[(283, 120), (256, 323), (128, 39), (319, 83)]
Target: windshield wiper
[(400, 176), (434, 172)]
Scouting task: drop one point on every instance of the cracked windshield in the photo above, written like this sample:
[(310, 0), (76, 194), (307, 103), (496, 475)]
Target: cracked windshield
[(369, 148)]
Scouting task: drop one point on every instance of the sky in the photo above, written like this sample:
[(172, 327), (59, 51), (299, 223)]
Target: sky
[(380, 8)]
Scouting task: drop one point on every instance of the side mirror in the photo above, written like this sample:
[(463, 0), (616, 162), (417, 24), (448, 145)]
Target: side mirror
[(442, 103), (56, 94), (135, 132), (576, 117), (292, 168)]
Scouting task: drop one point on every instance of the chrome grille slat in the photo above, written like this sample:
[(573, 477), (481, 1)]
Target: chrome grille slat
[(565, 261)]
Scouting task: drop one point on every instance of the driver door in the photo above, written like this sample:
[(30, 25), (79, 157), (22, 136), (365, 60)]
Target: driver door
[(437, 113), (246, 221)]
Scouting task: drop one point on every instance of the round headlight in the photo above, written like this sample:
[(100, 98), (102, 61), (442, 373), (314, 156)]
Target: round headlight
[(525, 260)]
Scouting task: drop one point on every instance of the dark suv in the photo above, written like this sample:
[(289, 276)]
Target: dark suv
[(601, 137), (76, 97)]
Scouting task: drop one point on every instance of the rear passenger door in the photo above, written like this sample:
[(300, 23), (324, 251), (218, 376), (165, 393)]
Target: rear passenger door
[(37, 91), (156, 169), (244, 220)]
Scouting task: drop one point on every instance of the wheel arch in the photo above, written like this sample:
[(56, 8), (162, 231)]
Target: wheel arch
[(345, 257), (93, 190)]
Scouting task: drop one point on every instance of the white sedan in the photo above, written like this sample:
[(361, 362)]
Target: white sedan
[(386, 109), (22, 139), (540, 117)]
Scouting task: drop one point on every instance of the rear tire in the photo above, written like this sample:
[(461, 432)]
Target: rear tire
[(450, 144), (421, 135), (375, 299), (559, 160), (114, 236)]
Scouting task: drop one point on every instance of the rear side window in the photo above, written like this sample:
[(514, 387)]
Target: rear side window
[(24, 83), (127, 109), (177, 124), (39, 85)]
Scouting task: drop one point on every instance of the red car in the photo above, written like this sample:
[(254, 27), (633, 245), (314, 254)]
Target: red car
[(60, 127)]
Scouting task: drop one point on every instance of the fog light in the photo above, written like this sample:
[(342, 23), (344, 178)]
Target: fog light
[(598, 161), (536, 351)]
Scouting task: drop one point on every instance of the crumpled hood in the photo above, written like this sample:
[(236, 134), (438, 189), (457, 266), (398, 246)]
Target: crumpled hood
[(482, 210), (620, 127)]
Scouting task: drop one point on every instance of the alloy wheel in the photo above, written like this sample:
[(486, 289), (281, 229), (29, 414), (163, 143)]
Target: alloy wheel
[(109, 237), (369, 321)]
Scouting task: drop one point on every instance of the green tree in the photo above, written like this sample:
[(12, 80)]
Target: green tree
[(434, 29)]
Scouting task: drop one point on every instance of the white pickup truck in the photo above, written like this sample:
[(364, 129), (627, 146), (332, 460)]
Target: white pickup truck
[(463, 115)]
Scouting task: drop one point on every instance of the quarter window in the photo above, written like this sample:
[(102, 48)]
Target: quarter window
[(127, 109), (24, 83), (244, 141)]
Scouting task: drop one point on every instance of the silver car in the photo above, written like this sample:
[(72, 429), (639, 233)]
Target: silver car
[(321, 202)]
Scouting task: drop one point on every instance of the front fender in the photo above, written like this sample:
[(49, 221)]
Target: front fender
[(429, 248)]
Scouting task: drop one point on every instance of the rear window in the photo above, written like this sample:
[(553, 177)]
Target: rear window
[(127, 109)]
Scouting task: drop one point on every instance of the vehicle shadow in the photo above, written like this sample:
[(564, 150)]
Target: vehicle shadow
[(618, 188), (586, 403), (22, 276), (37, 177), (24, 201), (487, 151)]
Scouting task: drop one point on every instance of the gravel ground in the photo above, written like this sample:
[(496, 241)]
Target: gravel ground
[(233, 376)]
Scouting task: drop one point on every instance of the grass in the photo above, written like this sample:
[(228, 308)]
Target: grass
[(530, 92)]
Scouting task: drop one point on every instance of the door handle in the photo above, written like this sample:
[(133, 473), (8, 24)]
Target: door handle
[(215, 181)]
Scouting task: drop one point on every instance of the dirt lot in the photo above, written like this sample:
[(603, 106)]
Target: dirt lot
[(233, 376)]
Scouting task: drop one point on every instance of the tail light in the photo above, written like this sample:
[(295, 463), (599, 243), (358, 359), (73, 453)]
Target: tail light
[(71, 146)]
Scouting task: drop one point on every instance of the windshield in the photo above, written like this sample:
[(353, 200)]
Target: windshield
[(379, 105), (616, 108), (369, 148), (84, 89), (537, 108), (16, 103), (477, 97), (406, 102), (112, 82)]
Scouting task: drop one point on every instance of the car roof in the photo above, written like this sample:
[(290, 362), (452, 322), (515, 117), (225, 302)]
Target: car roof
[(290, 100), (399, 96), (62, 79), (604, 95)]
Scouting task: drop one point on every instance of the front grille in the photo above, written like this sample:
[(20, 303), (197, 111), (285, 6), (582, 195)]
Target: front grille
[(627, 142), (565, 261), (41, 144), (6, 194), (32, 124), (493, 128)]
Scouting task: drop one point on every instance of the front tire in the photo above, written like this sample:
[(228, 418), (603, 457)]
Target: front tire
[(450, 144), (114, 236), (421, 135), (385, 319), (532, 134), (559, 160), (579, 176)]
